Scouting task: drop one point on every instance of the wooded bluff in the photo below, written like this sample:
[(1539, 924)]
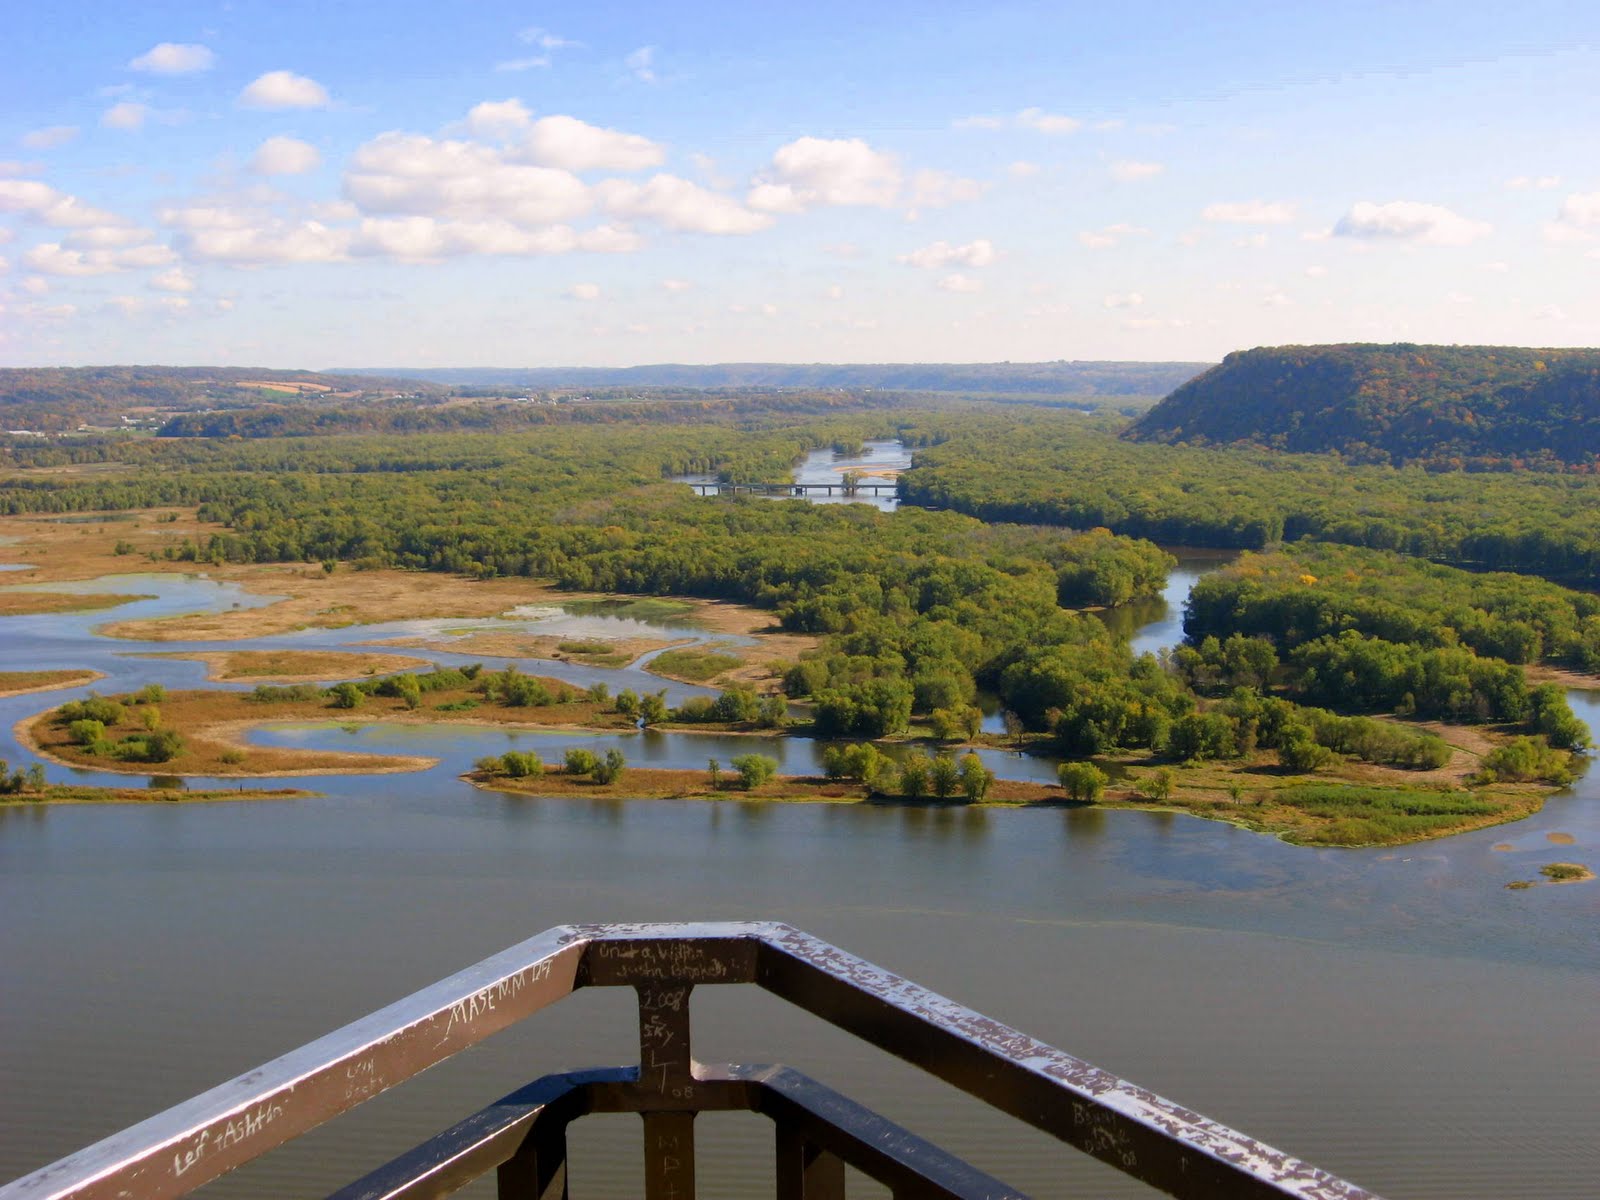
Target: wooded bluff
[(1450, 407)]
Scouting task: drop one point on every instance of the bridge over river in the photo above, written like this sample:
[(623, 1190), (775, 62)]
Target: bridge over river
[(842, 488)]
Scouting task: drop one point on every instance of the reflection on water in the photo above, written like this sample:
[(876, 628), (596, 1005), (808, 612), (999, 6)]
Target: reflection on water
[(1327, 1001)]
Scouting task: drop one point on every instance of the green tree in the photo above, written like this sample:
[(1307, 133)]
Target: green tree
[(754, 770), (944, 776), (610, 767), (975, 778), (1082, 781), (347, 695)]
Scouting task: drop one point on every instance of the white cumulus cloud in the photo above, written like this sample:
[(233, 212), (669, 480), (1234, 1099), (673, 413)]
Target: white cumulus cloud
[(960, 283), (127, 115), (175, 280), (1123, 300), (105, 237), (51, 258), (978, 253), (284, 89), (285, 156), (574, 145), (1409, 221), (48, 206), (584, 291), (498, 118), (268, 242), (679, 204), (411, 174), (812, 172), (174, 58)]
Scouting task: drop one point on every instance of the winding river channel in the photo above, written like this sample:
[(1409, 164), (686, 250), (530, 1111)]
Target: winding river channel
[(1397, 1016)]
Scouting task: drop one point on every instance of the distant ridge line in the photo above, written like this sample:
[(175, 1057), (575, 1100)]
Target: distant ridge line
[(1078, 377)]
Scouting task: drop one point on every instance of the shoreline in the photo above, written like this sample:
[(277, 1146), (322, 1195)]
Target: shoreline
[(217, 663), (76, 795), (222, 733), (90, 675)]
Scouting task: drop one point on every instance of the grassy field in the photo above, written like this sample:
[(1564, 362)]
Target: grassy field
[(296, 666), (26, 604), (68, 794), (16, 683), (693, 664)]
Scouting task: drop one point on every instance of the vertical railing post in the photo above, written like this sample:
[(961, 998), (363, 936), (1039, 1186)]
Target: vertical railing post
[(806, 1171), (538, 1170), (665, 1072)]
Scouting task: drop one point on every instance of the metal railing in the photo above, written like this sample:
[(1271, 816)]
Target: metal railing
[(523, 1136)]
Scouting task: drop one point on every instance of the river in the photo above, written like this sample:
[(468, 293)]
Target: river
[(1396, 1016)]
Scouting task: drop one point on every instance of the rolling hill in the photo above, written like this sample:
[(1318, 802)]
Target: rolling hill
[(1493, 407)]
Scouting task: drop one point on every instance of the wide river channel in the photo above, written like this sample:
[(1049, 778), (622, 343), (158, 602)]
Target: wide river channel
[(1396, 1016)]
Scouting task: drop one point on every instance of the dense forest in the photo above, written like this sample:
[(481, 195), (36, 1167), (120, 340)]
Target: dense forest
[(1485, 407), (1037, 468), (1308, 591), (1057, 378)]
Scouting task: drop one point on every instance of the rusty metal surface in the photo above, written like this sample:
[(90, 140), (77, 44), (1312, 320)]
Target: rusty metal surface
[(1141, 1133)]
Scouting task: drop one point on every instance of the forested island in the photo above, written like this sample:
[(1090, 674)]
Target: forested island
[(1450, 407)]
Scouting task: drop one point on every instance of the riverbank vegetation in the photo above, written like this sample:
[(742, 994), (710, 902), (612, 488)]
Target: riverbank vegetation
[(29, 604)]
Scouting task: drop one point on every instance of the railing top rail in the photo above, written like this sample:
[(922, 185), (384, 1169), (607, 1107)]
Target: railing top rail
[(1152, 1138)]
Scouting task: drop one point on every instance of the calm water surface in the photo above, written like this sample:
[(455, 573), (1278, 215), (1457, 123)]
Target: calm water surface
[(1396, 1016)]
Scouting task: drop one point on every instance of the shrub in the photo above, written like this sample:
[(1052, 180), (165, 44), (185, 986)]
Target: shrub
[(1082, 781), (1527, 759), (346, 695), (94, 708), (86, 732), (266, 693), (862, 761), (579, 761), (1158, 784), (754, 769), (610, 767), (1564, 872), (519, 765), (1299, 752)]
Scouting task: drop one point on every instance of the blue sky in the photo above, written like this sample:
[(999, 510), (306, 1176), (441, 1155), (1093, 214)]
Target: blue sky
[(292, 184)]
